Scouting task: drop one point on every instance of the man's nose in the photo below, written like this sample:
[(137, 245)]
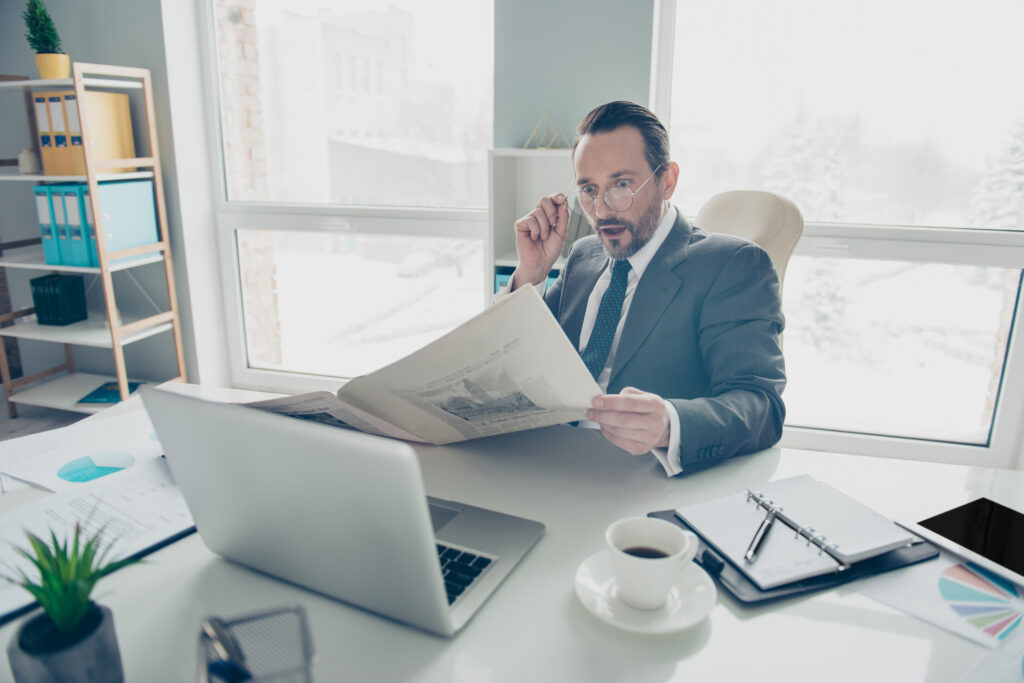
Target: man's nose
[(600, 206)]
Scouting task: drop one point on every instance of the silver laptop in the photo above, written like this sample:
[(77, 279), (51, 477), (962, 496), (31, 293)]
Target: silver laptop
[(336, 511)]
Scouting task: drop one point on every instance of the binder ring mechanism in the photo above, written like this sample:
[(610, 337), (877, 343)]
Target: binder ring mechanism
[(805, 532)]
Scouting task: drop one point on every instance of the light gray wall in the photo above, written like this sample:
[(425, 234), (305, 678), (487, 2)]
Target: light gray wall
[(567, 56), (131, 33)]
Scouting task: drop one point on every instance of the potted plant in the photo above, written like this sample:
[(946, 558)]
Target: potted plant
[(73, 638), (42, 37)]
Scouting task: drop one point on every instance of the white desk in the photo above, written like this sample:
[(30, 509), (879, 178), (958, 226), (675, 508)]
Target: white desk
[(533, 628)]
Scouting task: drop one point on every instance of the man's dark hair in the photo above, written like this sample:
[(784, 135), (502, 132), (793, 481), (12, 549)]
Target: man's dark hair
[(609, 117)]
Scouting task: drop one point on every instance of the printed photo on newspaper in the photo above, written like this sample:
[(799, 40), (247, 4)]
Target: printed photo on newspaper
[(507, 369)]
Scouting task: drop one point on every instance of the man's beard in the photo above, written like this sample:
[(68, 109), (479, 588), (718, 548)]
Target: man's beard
[(642, 232)]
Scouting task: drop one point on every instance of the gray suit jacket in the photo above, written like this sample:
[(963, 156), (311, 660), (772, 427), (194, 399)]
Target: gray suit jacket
[(703, 331)]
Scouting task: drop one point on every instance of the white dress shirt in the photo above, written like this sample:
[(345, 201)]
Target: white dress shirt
[(668, 457)]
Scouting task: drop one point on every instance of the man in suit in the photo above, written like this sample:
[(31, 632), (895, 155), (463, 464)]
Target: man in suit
[(680, 328)]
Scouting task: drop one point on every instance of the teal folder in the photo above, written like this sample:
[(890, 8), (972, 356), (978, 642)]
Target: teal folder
[(107, 393)]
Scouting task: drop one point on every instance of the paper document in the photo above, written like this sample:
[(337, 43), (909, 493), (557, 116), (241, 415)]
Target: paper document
[(136, 511), (86, 451), (15, 452), (507, 369), (958, 596)]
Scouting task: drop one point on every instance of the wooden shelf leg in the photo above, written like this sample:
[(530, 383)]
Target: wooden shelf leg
[(5, 372)]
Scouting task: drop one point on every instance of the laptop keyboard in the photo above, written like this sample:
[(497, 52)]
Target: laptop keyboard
[(460, 569)]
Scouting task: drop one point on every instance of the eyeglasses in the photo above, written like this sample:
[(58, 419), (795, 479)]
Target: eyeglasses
[(618, 198)]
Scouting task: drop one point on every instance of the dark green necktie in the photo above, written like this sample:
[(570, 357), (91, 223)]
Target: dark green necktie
[(608, 313)]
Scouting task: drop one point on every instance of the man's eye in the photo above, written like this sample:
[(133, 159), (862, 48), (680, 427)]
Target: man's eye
[(588, 190), (622, 182)]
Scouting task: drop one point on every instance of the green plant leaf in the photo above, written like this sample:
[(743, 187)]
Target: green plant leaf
[(68, 572), (41, 31)]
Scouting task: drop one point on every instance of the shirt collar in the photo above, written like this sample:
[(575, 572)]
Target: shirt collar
[(639, 261)]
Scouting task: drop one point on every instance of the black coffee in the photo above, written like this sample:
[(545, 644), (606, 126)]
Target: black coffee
[(645, 551)]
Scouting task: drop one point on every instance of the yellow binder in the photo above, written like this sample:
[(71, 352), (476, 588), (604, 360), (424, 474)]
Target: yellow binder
[(110, 130), (74, 134), (59, 128), (46, 148)]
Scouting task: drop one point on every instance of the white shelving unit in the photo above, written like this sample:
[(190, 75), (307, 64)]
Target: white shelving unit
[(517, 178), (62, 392), (61, 386), (31, 258)]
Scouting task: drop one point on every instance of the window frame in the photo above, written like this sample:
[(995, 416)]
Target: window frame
[(956, 246), (998, 248)]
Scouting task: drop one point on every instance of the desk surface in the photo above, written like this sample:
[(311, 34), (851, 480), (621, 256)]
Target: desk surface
[(533, 628)]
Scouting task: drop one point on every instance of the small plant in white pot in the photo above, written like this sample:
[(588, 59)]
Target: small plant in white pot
[(73, 639), (43, 39)]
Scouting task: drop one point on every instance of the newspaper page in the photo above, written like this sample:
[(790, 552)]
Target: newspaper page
[(509, 368), (326, 408)]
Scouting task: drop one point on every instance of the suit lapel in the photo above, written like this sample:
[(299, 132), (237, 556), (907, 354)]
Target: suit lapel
[(654, 292)]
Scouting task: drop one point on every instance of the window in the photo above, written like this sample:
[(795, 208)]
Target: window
[(898, 131), (870, 112), (354, 143)]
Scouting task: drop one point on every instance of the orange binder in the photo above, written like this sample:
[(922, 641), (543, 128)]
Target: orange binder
[(60, 130), (110, 128), (77, 150)]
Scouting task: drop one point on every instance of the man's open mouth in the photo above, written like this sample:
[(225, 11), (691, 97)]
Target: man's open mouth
[(612, 231)]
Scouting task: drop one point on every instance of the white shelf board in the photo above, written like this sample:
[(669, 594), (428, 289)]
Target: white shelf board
[(32, 259), (511, 260), (89, 332), (12, 175), (63, 392), (70, 83)]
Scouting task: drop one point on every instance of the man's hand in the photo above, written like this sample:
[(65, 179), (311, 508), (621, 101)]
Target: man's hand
[(540, 235), (635, 421)]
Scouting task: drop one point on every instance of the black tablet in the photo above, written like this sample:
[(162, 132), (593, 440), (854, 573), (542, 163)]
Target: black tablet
[(983, 531)]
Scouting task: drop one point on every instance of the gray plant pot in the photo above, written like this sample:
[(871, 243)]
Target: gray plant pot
[(95, 658)]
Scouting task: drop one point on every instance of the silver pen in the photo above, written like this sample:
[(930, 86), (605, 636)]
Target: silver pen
[(758, 539)]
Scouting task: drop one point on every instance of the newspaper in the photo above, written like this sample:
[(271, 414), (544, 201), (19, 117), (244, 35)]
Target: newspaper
[(507, 369)]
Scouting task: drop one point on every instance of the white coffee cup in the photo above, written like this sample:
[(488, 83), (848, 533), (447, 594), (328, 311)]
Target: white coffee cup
[(646, 556)]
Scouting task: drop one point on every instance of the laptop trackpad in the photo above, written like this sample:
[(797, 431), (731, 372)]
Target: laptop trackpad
[(440, 515)]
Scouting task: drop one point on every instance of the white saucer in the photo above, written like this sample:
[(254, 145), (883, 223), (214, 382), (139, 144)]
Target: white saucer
[(690, 599)]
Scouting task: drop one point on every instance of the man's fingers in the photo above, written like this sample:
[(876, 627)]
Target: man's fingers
[(639, 435), (649, 422), (562, 220), (550, 210), (632, 403), (631, 446), (532, 225)]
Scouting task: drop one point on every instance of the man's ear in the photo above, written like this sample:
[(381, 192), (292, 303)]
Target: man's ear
[(668, 180)]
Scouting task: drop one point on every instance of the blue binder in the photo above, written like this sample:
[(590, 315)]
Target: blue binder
[(60, 224), (76, 238), (47, 227), (129, 216)]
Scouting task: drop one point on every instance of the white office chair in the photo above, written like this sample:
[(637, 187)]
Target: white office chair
[(771, 221)]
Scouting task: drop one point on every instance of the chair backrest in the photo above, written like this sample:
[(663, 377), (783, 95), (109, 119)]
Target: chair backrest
[(771, 221)]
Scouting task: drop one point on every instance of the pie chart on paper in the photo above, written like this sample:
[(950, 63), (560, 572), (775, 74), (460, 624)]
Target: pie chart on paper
[(95, 466), (986, 601)]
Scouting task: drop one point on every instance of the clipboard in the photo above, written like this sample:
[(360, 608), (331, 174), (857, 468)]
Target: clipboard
[(747, 592)]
